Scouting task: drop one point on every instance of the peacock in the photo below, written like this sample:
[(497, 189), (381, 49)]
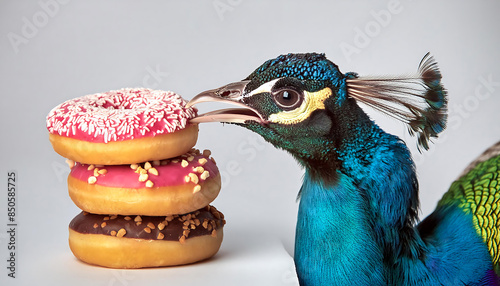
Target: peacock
[(357, 220)]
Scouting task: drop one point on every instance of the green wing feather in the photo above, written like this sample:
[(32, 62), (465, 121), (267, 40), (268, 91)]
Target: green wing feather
[(478, 192)]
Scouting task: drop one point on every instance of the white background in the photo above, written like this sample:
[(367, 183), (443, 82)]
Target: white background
[(53, 51)]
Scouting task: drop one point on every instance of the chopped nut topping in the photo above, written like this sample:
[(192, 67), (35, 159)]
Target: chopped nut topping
[(187, 179), (202, 161), (153, 171), (142, 171), (70, 163), (102, 171), (137, 218), (127, 218), (161, 226), (121, 232), (196, 189), (113, 217), (103, 224), (147, 166), (204, 175), (147, 229), (205, 223), (149, 184), (106, 218), (95, 225), (169, 218), (207, 153), (199, 169), (193, 226), (143, 177), (182, 240), (184, 163), (175, 161), (156, 163), (151, 225), (214, 233), (90, 167), (186, 223), (138, 223), (190, 158), (193, 177), (186, 232), (92, 180), (113, 233), (134, 166), (160, 236), (96, 172), (197, 222), (216, 214)]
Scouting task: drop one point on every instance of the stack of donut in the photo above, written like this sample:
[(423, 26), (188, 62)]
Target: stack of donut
[(143, 190)]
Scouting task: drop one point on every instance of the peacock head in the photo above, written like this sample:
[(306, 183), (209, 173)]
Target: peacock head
[(303, 104)]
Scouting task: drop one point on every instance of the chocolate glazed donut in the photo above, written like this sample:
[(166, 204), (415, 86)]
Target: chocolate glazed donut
[(146, 241)]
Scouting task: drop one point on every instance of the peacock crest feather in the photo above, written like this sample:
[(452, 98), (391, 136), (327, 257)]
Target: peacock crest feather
[(419, 101)]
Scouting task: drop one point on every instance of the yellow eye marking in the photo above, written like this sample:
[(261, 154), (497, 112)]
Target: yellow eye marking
[(312, 101)]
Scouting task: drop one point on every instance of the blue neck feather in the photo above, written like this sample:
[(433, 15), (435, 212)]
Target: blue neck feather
[(366, 217), (360, 230), (333, 237)]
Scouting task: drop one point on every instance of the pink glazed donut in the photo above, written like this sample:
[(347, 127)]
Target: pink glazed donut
[(164, 187), (122, 127)]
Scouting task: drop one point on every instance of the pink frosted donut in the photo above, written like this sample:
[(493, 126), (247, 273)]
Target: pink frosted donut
[(171, 186), (122, 127)]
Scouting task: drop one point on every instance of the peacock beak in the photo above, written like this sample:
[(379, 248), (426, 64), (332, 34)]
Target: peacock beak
[(232, 93)]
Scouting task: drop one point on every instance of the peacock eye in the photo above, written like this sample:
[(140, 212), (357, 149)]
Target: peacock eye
[(288, 99)]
